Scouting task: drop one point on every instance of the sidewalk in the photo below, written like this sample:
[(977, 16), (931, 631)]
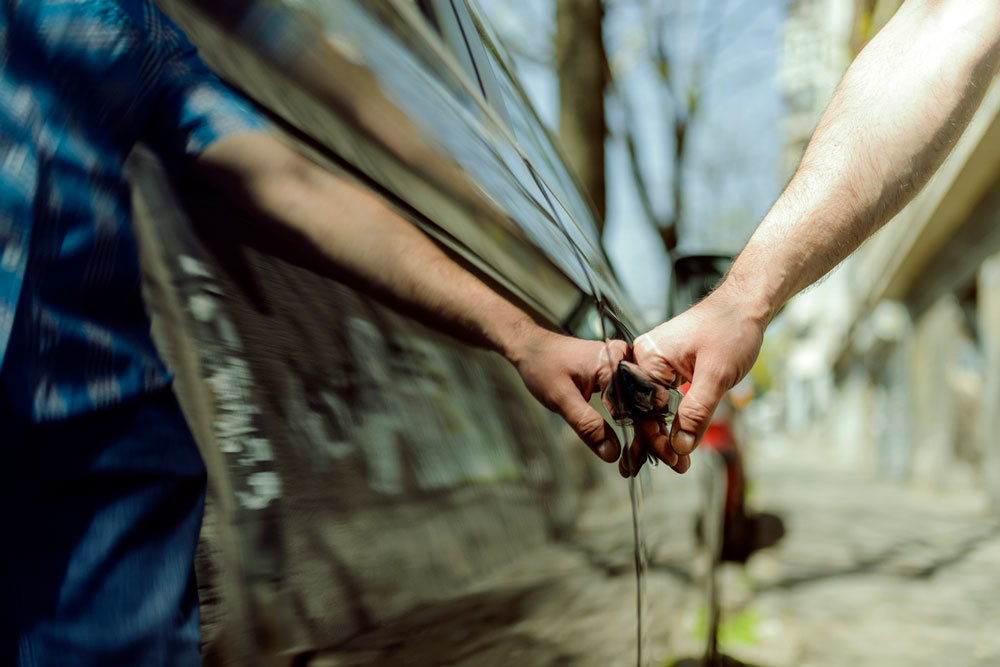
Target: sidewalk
[(869, 573)]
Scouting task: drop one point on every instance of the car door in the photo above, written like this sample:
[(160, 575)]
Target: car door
[(366, 472)]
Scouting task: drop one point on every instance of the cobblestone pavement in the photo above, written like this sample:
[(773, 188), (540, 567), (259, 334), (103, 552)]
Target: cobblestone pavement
[(869, 573), (569, 603)]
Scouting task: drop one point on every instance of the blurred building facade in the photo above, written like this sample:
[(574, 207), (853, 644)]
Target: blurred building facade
[(894, 360), (814, 55)]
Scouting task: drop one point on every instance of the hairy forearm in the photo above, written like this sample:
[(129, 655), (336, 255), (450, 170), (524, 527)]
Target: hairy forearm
[(341, 229), (896, 115), (368, 243)]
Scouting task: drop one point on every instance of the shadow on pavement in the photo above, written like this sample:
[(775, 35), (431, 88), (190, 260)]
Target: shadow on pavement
[(720, 661), (888, 561), (470, 631)]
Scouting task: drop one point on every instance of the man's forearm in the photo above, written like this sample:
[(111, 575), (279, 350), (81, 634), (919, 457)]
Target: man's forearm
[(896, 115), (340, 228), (351, 233), (397, 260), (898, 112)]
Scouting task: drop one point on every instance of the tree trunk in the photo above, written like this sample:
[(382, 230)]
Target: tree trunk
[(582, 67)]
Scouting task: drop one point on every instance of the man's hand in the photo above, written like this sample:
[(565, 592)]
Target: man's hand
[(562, 373), (898, 112), (346, 231), (713, 345)]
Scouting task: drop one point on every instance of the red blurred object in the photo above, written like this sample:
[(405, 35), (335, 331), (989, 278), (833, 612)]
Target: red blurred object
[(737, 531)]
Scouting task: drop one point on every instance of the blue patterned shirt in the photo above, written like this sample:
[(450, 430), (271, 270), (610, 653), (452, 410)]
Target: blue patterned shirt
[(80, 83)]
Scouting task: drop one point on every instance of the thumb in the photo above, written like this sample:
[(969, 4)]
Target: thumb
[(696, 410)]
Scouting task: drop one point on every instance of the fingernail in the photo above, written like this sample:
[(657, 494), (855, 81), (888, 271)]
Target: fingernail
[(683, 442), (669, 455), (608, 450), (637, 456)]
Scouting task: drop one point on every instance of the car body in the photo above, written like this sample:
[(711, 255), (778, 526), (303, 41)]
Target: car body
[(361, 465)]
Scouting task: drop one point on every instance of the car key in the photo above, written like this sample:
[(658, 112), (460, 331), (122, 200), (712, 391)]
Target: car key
[(633, 395)]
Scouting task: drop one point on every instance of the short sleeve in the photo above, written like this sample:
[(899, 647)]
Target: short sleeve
[(190, 106)]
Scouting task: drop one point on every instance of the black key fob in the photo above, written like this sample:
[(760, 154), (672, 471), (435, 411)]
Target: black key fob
[(633, 395)]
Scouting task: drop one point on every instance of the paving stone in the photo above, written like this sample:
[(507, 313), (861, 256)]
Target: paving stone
[(871, 573)]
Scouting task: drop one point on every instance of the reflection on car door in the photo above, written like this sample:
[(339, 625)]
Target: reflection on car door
[(361, 465)]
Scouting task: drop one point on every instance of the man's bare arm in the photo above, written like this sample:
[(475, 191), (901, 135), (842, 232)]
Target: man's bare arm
[(896, 115), (344, 230)]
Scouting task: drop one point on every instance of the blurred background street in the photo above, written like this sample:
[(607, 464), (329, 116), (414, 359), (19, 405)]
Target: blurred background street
[(869, 572), (874, 430)]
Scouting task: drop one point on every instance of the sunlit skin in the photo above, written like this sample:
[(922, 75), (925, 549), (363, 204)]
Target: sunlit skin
[(347, 231), (896, 115)]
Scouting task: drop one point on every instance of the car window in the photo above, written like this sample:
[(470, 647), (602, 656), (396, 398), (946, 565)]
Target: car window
[(528, 127), (411, 66), (536, 161)]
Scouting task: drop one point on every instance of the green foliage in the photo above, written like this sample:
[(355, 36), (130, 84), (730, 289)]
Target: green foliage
[(740, 628)]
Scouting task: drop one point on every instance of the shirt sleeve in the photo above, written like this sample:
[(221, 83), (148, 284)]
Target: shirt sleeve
[(190, 106)]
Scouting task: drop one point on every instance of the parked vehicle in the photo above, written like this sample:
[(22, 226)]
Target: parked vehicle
[(365, 470)]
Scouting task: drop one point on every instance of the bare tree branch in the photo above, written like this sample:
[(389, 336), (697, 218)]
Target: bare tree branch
[(583, 72)]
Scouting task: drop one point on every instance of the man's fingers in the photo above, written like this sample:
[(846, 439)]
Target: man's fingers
[(653, 360), (632, 459), (696, 410), (657, 440), (589, 425)]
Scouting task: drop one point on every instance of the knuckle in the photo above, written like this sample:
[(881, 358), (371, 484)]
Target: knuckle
[(719, 373), (588, 423), (695, 409), (643, 348), (561, 400), (617, 350)]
